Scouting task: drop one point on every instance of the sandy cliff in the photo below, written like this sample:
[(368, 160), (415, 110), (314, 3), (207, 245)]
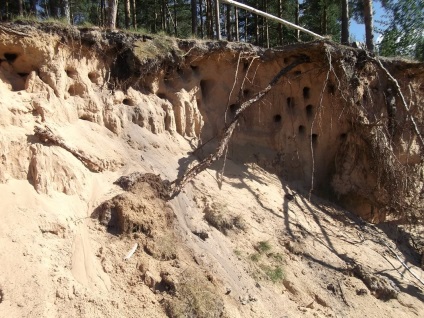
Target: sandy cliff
[(81, 108)]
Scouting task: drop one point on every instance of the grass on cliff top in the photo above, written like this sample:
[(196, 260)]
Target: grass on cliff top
[(159, 46)]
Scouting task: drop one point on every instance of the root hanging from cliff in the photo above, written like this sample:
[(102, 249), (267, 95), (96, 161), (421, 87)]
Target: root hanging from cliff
[(402, 98), (227, 132)]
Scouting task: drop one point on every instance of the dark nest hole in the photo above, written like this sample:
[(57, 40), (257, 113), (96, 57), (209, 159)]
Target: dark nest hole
[(306, 92), (125, 67), (71, 73), (87, 117), (343, 136), (246, 93), (245, 65), (206, 87), (277, 118), (309, 111), (195, 69), (290, 102), (314, 139), (128, 102), (94, 77), (233, 108), (10, 57), (162, 96), (331, 89), (301, 130)]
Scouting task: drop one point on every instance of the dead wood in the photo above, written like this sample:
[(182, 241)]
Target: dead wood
[(46, 135), (228, 130)]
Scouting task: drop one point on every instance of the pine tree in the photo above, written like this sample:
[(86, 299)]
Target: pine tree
[(404, 34), (369, 24), (322, 17)]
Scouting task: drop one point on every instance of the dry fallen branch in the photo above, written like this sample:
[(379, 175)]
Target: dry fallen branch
[(46, 134), (228, 130)]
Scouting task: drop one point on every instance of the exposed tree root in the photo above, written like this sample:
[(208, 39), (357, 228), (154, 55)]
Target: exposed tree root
[(227, 132), (46, 134), (8, 30), (402, 97)]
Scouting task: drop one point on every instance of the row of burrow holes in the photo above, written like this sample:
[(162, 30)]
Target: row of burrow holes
[(309, 109)]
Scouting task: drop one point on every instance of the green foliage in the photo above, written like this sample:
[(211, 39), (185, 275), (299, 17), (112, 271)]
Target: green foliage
[(237, 252), (404, 34), (419, 50), (322, 17), (267, 263), (275, 274), (255, 257), (403, 31), (263, 247)]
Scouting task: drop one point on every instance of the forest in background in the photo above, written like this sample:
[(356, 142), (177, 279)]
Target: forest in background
[(402, 33)]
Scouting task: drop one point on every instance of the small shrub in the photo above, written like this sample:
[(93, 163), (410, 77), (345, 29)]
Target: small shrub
[(239, 222), (255, 257), (237, 252), (263, 247), (275, 274), (196, 298)]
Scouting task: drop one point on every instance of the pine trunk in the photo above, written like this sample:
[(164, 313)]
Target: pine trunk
[(209, 22), (257, 25), (21, 7), (202, 32), (228, 9), (369, 25), (127, 13), (279, 25), (66, 11), (134, 15), (163, 17), (345, 22), (266, 26), (217, 24), (175, 19), (296, 21), (113, 10), (193, 17), (33, 7), (237, 25)]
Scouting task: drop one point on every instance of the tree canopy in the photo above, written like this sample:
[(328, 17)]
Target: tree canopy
[(402, 33)]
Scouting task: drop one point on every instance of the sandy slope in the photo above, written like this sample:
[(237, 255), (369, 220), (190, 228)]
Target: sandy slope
[(56, 261)]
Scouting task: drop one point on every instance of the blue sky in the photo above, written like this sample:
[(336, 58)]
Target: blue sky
[(357, 31)]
